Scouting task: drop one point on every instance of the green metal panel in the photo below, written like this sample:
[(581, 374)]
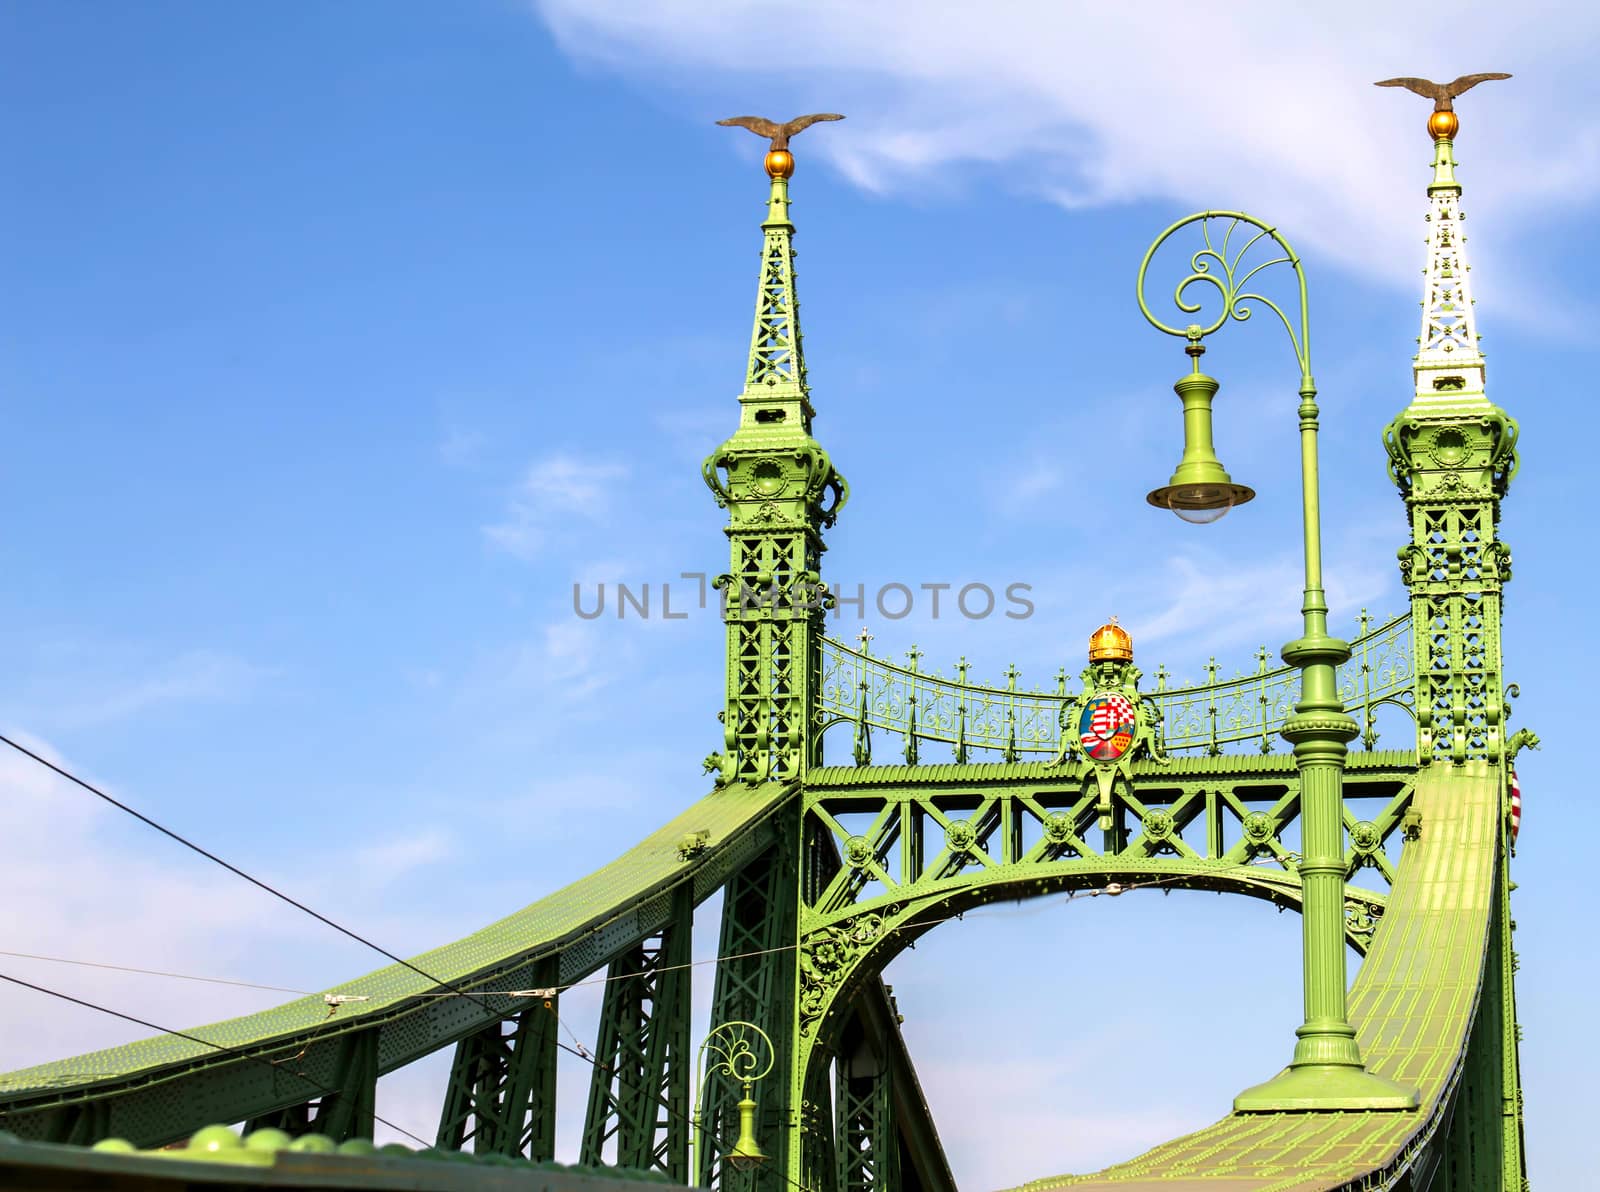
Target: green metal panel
[(347, 1112), (263, 1161)]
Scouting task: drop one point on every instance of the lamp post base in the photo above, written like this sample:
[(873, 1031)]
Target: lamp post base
[(1310, 1088)]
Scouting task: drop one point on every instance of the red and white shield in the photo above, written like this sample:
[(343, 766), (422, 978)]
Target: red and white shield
[(1516, 806)]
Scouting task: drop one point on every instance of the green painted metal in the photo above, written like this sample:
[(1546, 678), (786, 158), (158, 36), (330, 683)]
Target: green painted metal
[(893, 851), (1327, 1072), (742, 1054), (827, 871), (158, 1090), (780, 490), (872, 696), (501, 1095), (639, 1090), (1414, 1003), (1452, 453), (924, 1166), (347, 1112), (754, 983), (217, 1157), (866, 1137)]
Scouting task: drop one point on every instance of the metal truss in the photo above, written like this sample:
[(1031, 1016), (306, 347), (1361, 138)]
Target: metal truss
[(754, 983), (502, 1091), (639, 1094), (347, 1111)]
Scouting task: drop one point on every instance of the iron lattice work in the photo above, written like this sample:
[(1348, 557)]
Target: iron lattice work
[(780, 490), (754, 983), (976, 722), (639, 1092), (866, 1144), (891, 852), (501, 1096), (1452, 453), (827, 872)]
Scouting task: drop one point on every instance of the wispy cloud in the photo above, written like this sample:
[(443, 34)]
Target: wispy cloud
[(556, 488), (1266, 106), (78, 686)]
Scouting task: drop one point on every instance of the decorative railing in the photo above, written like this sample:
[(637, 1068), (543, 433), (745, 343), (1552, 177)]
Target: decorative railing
[(918, 708)]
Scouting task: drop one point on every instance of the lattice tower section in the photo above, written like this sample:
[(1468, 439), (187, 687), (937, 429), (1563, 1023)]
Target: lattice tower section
[(780, 490), (1453, 453)]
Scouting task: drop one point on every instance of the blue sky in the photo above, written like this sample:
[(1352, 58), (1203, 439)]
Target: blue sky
[(341, 341)]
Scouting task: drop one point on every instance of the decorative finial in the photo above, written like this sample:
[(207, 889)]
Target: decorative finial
[(1442, 125), (1110, 643), (780, 162)]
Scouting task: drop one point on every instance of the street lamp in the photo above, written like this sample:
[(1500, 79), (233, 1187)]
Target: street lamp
[(1326, 1072), (743, 1052)]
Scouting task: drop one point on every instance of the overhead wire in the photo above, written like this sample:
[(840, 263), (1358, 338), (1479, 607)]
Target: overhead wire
[(128, 968), (276, 1066), (234, 869), (334, 1000)]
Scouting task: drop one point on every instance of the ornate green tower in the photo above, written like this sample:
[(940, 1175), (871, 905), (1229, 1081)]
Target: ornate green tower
[(1453, 453), (780, 490)]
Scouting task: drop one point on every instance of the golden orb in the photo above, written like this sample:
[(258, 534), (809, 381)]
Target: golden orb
[(780, 164), (1442, 125), (1110, 643)]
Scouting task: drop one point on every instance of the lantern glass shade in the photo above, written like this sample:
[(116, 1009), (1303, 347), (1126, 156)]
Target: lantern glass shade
[(1203, 503)]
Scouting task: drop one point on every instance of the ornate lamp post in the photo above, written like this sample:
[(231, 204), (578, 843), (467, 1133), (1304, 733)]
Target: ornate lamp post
[(1326, 1072), (740, 1051)]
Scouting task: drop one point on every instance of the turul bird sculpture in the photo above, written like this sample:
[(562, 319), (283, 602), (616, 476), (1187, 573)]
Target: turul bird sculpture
[(780, 133), (1442, 94)]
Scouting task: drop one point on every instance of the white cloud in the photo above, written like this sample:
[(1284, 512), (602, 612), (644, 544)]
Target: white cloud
[(1268, 107), (557, 488)]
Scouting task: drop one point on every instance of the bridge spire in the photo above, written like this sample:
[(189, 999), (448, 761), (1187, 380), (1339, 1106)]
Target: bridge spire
[(781, 490), (1448, 368), (1453, 453)]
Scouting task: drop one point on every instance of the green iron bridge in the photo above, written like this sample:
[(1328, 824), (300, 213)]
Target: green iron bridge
[(857, 803)]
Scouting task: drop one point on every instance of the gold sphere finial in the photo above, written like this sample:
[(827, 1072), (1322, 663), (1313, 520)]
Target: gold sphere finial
[(1442, 126), (780, 163), (1110, 643)]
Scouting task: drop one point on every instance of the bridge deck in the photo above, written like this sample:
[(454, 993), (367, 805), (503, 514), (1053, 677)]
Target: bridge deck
[(584, 924), (1412, 1004)]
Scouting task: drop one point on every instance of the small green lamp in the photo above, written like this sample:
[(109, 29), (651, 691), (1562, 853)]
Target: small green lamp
[(747, 1152), (1200, 490)]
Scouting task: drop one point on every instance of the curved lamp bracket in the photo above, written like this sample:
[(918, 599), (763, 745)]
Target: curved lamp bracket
[(1224, 265)]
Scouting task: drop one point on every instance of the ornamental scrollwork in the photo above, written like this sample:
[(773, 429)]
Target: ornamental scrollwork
[(826, 958), (1361, 919), (923, 709)]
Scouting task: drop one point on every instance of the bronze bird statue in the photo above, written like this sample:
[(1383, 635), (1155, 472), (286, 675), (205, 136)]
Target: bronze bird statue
[(780, 133), (1441, 93)]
